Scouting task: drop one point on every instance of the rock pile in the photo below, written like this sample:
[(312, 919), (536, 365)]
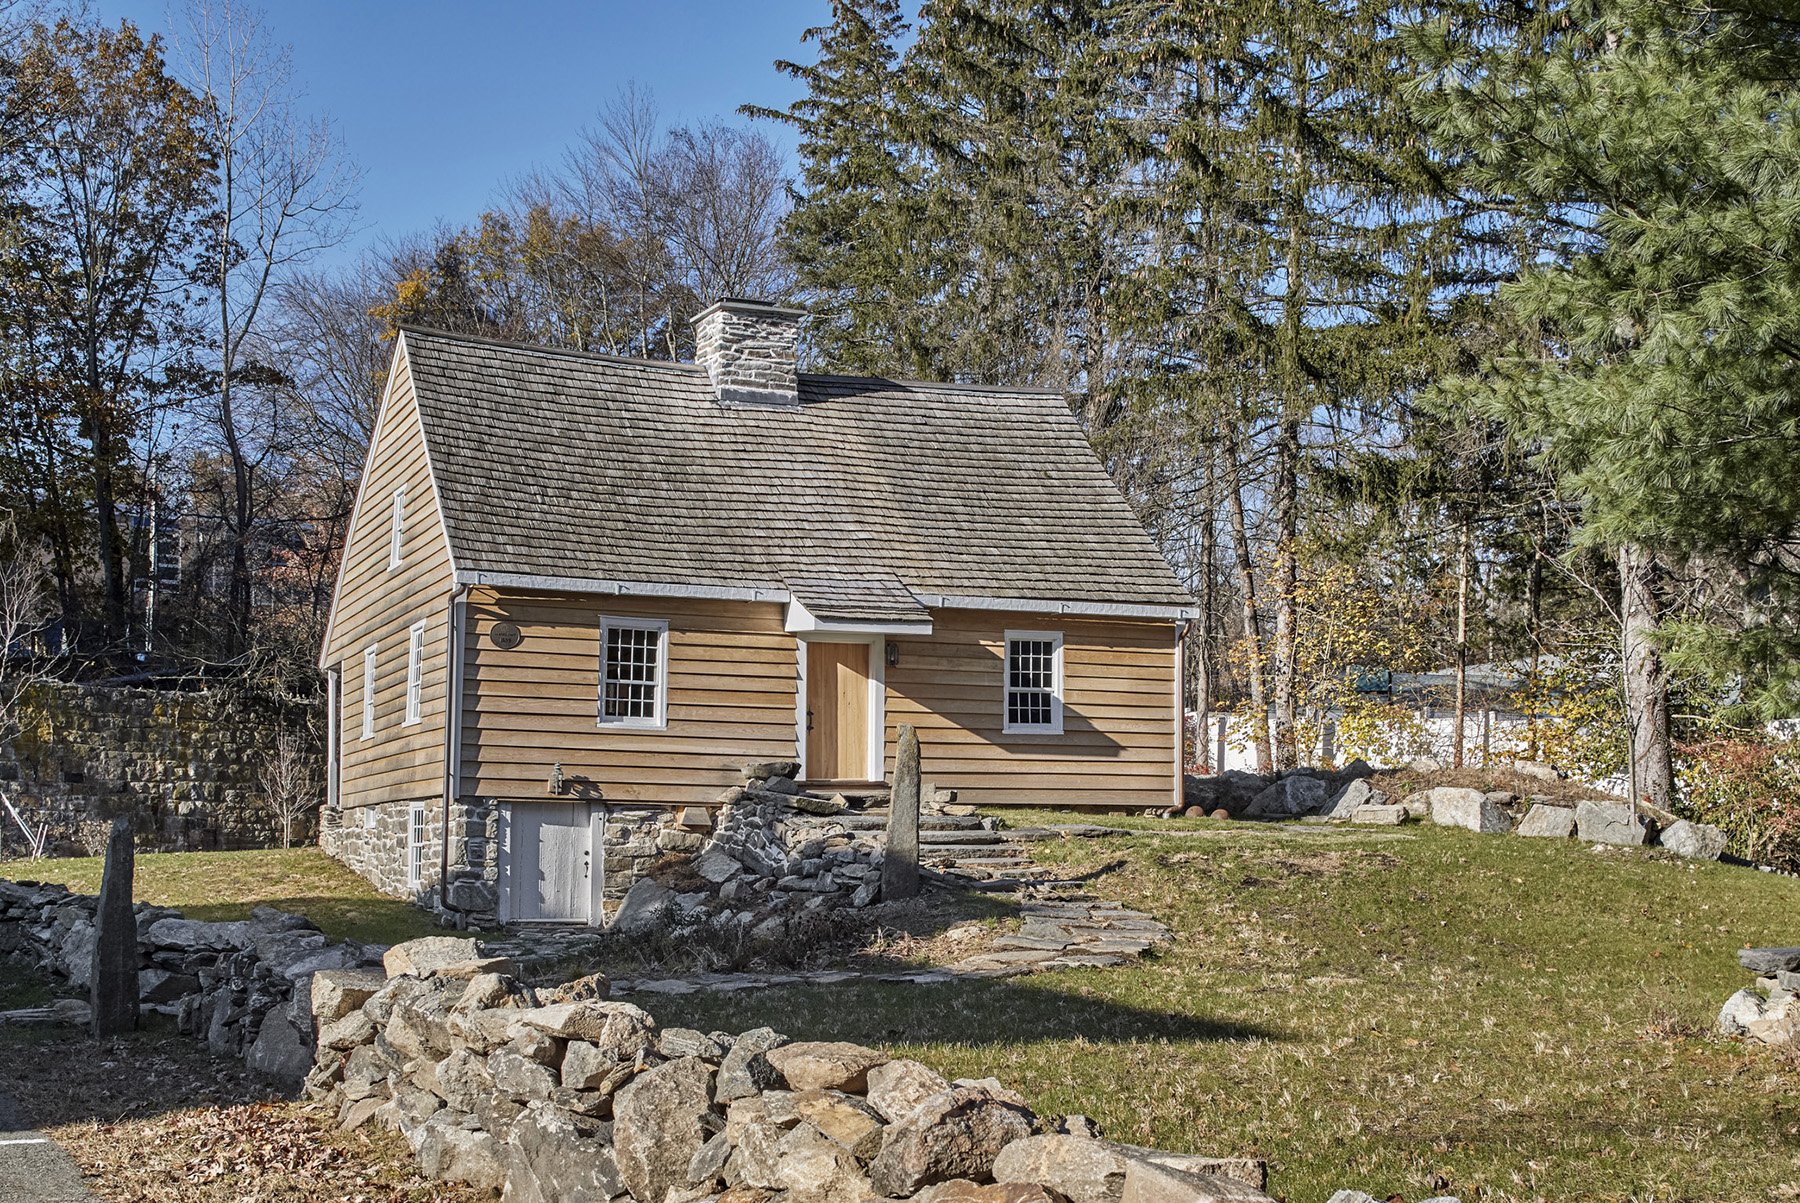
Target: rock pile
[(1768, 1011), (582, 1099), (242, 987), (774, 845), (1348, 796)]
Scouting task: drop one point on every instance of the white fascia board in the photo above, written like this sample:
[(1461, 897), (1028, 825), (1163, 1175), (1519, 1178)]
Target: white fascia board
[(1082, 609), (801, 621), (592, 585)]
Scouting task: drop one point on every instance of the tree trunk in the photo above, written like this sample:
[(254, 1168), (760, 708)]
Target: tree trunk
[(1201, 631), (1460, 713), (1652, 767), (1259, 702), (1287, 586)]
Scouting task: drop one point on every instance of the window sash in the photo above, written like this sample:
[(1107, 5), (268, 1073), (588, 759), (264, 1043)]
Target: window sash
[(415, 655), (368, 692), (415, 846), (1033, 683), (634, 664), (397, 528)]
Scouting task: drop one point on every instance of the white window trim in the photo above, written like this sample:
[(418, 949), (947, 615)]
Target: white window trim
[(415, 844), (1055, 725), (397, 529), (415, 672), (368, 691), (661, 721)]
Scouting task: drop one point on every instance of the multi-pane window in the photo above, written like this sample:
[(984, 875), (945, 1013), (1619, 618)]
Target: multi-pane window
[(415, 656), (633, 668), (397, 527), (415, 846), (1033, 681), (368, 693)]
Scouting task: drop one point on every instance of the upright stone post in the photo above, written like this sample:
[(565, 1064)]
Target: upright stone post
[(900, 863), (113, 984)]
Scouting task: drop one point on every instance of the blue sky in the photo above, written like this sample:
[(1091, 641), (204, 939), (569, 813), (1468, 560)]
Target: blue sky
[(441, 103)]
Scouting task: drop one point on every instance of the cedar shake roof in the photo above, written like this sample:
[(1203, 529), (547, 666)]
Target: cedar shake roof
[(564, 464), (869, 598)]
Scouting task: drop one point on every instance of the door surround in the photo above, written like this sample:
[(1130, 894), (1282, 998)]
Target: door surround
[(877, 704), (507, 856)]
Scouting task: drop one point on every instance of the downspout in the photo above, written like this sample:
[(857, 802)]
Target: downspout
[(454, 614), (1181, 629)]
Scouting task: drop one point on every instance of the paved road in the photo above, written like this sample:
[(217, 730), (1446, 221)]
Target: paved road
[(34, 1168)]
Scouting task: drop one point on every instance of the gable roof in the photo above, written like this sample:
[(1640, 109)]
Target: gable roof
[(565, 465)]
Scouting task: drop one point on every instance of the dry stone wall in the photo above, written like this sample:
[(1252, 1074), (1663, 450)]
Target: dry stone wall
[(185, 767), (244, 988)]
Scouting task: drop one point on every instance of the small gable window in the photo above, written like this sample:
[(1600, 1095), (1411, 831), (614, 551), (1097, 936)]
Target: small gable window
[(634, 660), (415, 656), (1034, 678), (368, 693), (397, 528)]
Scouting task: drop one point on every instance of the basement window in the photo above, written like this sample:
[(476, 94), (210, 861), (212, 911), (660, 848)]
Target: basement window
[(415, 656), (1034, 681), (415, 845), (634, 662)]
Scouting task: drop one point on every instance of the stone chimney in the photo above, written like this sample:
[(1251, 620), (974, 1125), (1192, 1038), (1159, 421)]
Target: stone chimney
[(750, 350)]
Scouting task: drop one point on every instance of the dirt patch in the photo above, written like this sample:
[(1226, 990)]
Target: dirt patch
[(153, 1117)]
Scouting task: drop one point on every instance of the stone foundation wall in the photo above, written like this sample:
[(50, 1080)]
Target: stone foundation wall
[(188, 768), (374, 840)]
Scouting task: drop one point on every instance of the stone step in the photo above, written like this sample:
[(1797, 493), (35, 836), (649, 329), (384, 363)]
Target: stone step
[(964, 851), (929, 835)]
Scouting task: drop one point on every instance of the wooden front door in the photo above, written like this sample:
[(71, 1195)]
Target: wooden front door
[(552, 867), (837, 711)]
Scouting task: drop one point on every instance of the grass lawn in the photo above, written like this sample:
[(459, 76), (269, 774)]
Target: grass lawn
[(225, 885), (1409, 1013)]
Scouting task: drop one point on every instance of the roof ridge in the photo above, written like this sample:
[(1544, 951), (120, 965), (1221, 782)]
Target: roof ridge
[(512, 344)]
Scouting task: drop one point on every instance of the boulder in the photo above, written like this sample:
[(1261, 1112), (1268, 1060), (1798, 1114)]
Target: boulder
[(281, 1051), (619, 1028), (337, 992), (592, 988), (825, 1065), (1148, 1182), (348, 1032), (1696, 841), (424, 956), (194, 935), (520, 1077), (463, 1080), (660, 1120), (551, 1158), (746, 1070), (809, 804), (717, 867), (763, 770), (161, 986), (956, 1133), (1767, 961), (1536, 770), (1343, 804), (646, 907), (1453, 806), (1379, 815), (961, 1190), (708, 1166), (687, 1042), (898, 1087), (813, 1168), (1417, 805), (487, 991), (1289, 798), (846, 1119), (1779, 1023), (1546, 822), (1086, 1170), (587, 1066), (457, 1154), (1610, 823)]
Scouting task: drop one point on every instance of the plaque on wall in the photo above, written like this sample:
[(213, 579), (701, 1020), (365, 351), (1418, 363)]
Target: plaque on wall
[(505, 635)]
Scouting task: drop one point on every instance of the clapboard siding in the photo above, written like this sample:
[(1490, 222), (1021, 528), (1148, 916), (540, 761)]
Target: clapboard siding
[(1117, 748), (731, 700), (378, 605)]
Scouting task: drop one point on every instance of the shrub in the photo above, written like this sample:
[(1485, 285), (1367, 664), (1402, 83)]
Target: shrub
[(1751, 789)]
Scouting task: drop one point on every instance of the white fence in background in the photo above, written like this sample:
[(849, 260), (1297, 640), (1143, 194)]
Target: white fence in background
[(1487, 735)]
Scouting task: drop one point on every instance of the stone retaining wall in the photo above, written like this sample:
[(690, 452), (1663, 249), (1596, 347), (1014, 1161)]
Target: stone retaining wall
[(186, 767), (244, 988), (560, 1095)]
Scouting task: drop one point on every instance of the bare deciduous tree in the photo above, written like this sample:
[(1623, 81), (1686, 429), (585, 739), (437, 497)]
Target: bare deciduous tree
[(289, 779)]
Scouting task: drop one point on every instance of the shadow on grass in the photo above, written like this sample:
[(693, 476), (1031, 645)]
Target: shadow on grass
[(369, 920)]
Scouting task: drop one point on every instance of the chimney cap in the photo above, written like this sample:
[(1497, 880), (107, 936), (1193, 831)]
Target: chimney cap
[(752, 304)]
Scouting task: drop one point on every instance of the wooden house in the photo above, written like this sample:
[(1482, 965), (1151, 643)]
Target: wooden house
[(579, 593)]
